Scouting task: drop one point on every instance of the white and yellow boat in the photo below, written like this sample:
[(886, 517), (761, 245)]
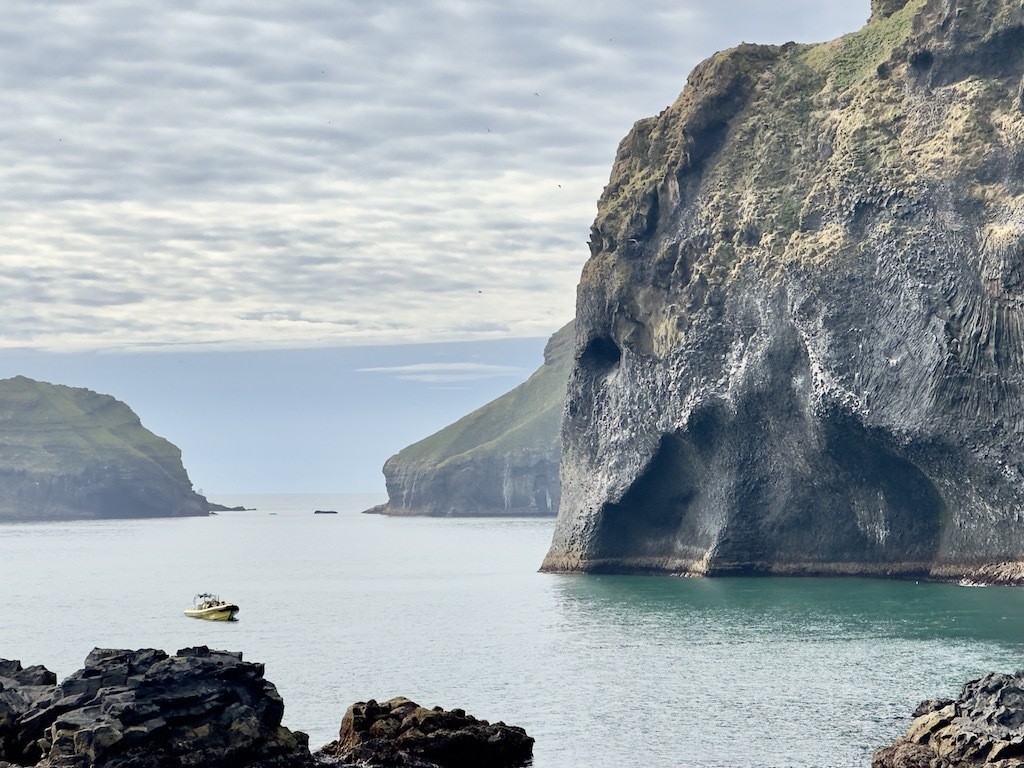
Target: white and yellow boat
[(211, 608)]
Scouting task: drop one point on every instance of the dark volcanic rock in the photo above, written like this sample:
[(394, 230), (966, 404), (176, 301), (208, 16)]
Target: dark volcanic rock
[(983, 727), (401, 734), (20, 691), (68, 453), (143, 709), (502, 459), (800, 337)]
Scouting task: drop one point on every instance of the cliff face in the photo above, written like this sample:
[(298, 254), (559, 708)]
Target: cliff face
[(70, 453), (501, 459), (799, 335)]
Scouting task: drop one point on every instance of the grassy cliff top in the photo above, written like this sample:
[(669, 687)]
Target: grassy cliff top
[(53, 429), (526, 419)]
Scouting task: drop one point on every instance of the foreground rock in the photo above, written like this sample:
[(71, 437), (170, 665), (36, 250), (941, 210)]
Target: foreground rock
[(500, 460), (800, 338), (983, 727), (401, 734), (69, 453), (143, 709)]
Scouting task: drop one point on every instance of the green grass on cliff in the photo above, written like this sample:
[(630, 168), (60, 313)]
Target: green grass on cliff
[(528, 418), (857, 55), (48, 428)]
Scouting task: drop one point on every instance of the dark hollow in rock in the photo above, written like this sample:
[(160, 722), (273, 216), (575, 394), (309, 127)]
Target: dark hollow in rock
[(401, 734)]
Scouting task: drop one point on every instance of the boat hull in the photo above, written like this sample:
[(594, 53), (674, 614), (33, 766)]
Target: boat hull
[(216, 613)]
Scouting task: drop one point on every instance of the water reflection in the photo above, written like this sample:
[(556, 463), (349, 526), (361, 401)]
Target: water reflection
[(792, 671), (809, 609)]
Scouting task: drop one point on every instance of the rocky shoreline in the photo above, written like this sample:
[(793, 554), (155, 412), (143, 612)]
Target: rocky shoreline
[(203, 708), (982, 728)]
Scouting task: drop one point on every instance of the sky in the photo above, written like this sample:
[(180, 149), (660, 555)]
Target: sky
[(258, 218)]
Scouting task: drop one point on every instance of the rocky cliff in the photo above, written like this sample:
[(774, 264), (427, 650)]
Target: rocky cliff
[(69, 453), (800, 335), (501, 459)]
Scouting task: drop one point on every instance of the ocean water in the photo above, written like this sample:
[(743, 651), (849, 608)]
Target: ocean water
[(623, 672)]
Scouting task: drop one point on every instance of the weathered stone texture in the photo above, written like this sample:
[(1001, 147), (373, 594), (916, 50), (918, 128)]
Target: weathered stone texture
[(982, 728), (399, 733), (144, 709), (800, 333)]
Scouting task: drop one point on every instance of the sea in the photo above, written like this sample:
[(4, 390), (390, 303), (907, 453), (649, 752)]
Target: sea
[(603, 671)]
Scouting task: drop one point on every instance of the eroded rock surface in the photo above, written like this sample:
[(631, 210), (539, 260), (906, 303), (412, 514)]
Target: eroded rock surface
[(145, 709), (800, 334), (401, 734), (983, 728)]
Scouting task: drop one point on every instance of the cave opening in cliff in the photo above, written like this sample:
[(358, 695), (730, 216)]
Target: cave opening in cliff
[(652, 522), (600, 354), (892, 510)]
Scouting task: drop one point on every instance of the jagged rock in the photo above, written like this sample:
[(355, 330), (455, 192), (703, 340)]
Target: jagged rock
[(20, 690), (401, 734), (981, 728), (69, 453), (502, 459), (883, 9), (144, 709), (800, 336)]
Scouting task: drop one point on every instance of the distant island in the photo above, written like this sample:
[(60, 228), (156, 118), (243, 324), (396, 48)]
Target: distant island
[(500, 460), (69, 453)]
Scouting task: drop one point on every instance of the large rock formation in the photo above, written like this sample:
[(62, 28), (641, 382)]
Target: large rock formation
[(982, 728), (800, 335), (143, 709), (501, 459), (69, 453), (399, 733)]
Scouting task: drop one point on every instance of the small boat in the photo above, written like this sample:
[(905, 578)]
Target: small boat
[(211, 608), (325, 512)]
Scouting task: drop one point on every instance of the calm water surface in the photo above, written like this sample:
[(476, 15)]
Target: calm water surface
[(603, 671)]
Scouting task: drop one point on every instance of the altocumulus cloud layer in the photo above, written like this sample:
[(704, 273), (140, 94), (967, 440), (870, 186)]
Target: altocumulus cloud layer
[(323, 172)]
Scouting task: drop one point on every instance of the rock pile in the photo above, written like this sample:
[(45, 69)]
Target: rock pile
[(983, 727), (401, 734), (144, 709)]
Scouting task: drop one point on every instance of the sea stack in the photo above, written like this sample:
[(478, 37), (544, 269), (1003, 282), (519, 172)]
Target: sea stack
[(799, 337)]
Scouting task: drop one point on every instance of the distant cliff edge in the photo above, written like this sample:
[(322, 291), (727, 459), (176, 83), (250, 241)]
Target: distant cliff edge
[(502, 459), (800, 334), (68, 453)]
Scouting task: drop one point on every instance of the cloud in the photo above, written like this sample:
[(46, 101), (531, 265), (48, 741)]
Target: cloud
[(322, 173), (448, 373)]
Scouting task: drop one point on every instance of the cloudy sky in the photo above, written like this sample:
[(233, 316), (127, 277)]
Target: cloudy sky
[(194, 178)]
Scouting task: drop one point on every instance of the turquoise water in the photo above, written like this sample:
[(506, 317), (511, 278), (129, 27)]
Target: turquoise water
[(627, 672)]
